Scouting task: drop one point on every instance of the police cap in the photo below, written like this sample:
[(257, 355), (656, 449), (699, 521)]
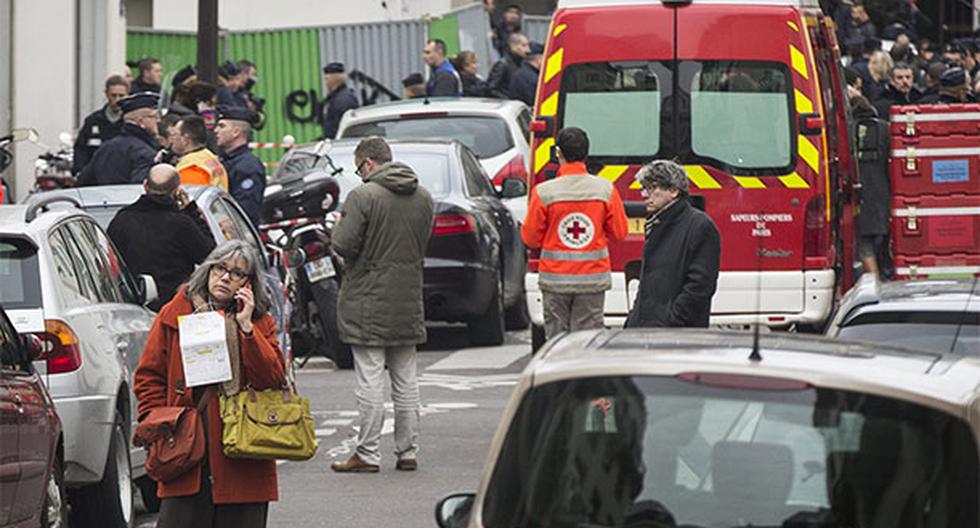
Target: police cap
[(237, 113), (228, 69), (953, 77), (334, 67), (138, 101)]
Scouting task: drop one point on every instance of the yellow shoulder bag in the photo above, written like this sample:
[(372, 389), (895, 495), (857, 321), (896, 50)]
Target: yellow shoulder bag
[(273, 424)]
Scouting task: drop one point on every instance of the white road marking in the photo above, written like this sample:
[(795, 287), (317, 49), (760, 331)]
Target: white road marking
[(467, 383), (325, 432), (482, 358)]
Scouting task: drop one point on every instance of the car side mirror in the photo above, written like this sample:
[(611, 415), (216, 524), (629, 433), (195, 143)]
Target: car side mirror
[(512, 188), (453, 511), (148, 289)]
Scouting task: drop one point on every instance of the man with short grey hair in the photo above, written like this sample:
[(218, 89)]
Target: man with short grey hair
[(681, 253), (382, 234)]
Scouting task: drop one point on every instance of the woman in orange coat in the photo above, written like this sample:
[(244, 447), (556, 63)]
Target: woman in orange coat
[(220, 491)]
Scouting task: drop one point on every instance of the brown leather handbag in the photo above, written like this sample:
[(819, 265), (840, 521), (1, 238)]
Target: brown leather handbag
[(174, 440)]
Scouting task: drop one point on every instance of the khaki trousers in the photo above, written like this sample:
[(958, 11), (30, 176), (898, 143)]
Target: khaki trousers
[(568, 312)]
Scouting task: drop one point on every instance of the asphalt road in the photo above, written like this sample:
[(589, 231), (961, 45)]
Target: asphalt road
[(464, 391)]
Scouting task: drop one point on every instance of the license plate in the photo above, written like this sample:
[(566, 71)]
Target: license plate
[(636, 226), (319, 269)]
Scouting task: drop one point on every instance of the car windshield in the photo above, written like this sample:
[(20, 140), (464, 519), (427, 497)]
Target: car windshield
[(934, 331), (631, 114), (20, 281), (432, 169), (485, 136), (657, 451)]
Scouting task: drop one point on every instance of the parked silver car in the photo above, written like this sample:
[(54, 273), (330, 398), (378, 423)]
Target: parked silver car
[(691, 428), (63, 281)]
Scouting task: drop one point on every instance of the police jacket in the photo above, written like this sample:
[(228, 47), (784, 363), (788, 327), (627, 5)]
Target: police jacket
[(339, 101), (126, 158), (680, 269), (499, 79), (157, 239), (96, 130), (572, 218), (524, 83), (444, 82), (246, 180)]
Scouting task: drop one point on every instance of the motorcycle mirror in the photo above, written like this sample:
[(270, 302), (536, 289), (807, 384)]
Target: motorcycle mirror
[(65, 139), (25, 134)]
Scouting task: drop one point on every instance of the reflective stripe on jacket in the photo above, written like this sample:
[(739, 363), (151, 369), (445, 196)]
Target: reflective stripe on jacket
[(202, 167), (572, 218)]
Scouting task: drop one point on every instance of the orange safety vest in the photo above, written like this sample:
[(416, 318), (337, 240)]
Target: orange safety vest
[(202, 167), (572, 218)]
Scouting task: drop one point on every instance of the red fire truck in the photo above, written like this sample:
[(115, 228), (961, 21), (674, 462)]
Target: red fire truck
[(749, 97)]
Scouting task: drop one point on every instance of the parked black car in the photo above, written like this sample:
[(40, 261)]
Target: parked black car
[(475, 262)]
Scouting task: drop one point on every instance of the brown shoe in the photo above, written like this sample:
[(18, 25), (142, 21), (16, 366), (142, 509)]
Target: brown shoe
[(407, 464), (354, 464)]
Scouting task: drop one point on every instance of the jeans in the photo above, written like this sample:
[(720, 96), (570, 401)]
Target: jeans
[(369, 366)]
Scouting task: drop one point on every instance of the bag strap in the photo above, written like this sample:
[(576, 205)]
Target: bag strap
[(205, 398)]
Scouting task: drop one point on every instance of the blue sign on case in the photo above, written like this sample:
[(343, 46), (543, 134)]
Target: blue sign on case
[(950, 171)]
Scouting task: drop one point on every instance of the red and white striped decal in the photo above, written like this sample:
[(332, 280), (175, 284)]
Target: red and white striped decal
[(270, 145)]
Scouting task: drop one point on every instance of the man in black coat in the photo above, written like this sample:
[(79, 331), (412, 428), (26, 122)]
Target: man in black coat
[(101, 125), (246, 174), (149, 78), (899, 91), (162, 234), (339, 99), (499, 79), (127, 158), (681, 253), (524, 82)]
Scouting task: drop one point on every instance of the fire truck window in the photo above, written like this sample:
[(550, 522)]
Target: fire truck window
[(740, 114), (617, 104)]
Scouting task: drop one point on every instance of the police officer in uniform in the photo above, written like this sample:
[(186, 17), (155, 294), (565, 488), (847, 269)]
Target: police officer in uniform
[(101, 125), (127, 158), (246, 174), (339, 99)]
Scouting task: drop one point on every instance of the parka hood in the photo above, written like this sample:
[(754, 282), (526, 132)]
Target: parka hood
[(396, 177)]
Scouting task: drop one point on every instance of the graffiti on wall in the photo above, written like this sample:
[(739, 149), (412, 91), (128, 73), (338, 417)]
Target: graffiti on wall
[(305, 106)]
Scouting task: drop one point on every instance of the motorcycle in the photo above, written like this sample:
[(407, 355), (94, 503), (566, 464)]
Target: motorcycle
[(52, 169), (298, 217), (6, 157)]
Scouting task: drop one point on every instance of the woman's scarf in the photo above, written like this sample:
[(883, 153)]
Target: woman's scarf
[(233, 386)]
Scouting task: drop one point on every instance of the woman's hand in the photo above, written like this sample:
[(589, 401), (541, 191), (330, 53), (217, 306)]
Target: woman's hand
[(246, 305)]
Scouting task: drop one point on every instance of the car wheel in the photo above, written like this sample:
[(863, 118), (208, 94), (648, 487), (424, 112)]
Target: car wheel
[(108, 502), (55, 512), (148, 492), (537, 337), (517, 316), (488, 328), (325, 294)]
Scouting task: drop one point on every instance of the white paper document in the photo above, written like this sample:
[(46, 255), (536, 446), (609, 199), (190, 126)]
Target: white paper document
[(204, 348)]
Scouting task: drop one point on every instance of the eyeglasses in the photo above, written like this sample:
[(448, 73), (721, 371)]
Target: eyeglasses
[(358, 169), (220, 270)]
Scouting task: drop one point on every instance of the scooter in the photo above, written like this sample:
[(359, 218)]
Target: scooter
[(52, 169), (6, 157)]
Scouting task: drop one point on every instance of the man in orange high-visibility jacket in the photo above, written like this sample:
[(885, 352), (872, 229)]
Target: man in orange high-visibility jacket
[(572, 218), (197, 165)]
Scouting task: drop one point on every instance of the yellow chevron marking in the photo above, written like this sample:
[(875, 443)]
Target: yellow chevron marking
[(549, 106), (559, 29), (700, 177), (794, 181), (798, 60), (749, 182), (554, 64), (635, 185), (542, 154), (809, 153), (803, 104), (793, 25), (612, 172)]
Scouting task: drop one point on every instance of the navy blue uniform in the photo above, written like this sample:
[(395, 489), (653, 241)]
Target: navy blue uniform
[(339, 101), (126, 158), (246, 180), (524, 83), (96, 130)]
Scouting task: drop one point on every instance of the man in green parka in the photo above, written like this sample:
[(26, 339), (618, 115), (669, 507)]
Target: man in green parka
[(382, 235)]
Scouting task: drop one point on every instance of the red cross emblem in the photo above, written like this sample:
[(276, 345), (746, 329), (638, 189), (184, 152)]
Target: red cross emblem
[(575, 230)]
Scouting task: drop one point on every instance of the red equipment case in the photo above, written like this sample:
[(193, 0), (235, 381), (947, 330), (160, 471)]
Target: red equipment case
[(935, 120), (936, 225), (937, 266), (938, 165)]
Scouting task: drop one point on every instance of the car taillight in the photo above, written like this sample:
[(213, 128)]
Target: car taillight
[(59, 347), (815, 234), (314, 250), (743, 381), (515, 168), (452, 224)]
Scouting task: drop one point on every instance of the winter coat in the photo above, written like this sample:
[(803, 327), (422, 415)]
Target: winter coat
[(499, 79), (444, 82), (126, 158), (246, 180), (159, 382), (382, 235), (339, 101), (474, 85), (891, 97), (524, 84), (96, 130), (139, 86), (680, 269), (876, 194), (157, 239)]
